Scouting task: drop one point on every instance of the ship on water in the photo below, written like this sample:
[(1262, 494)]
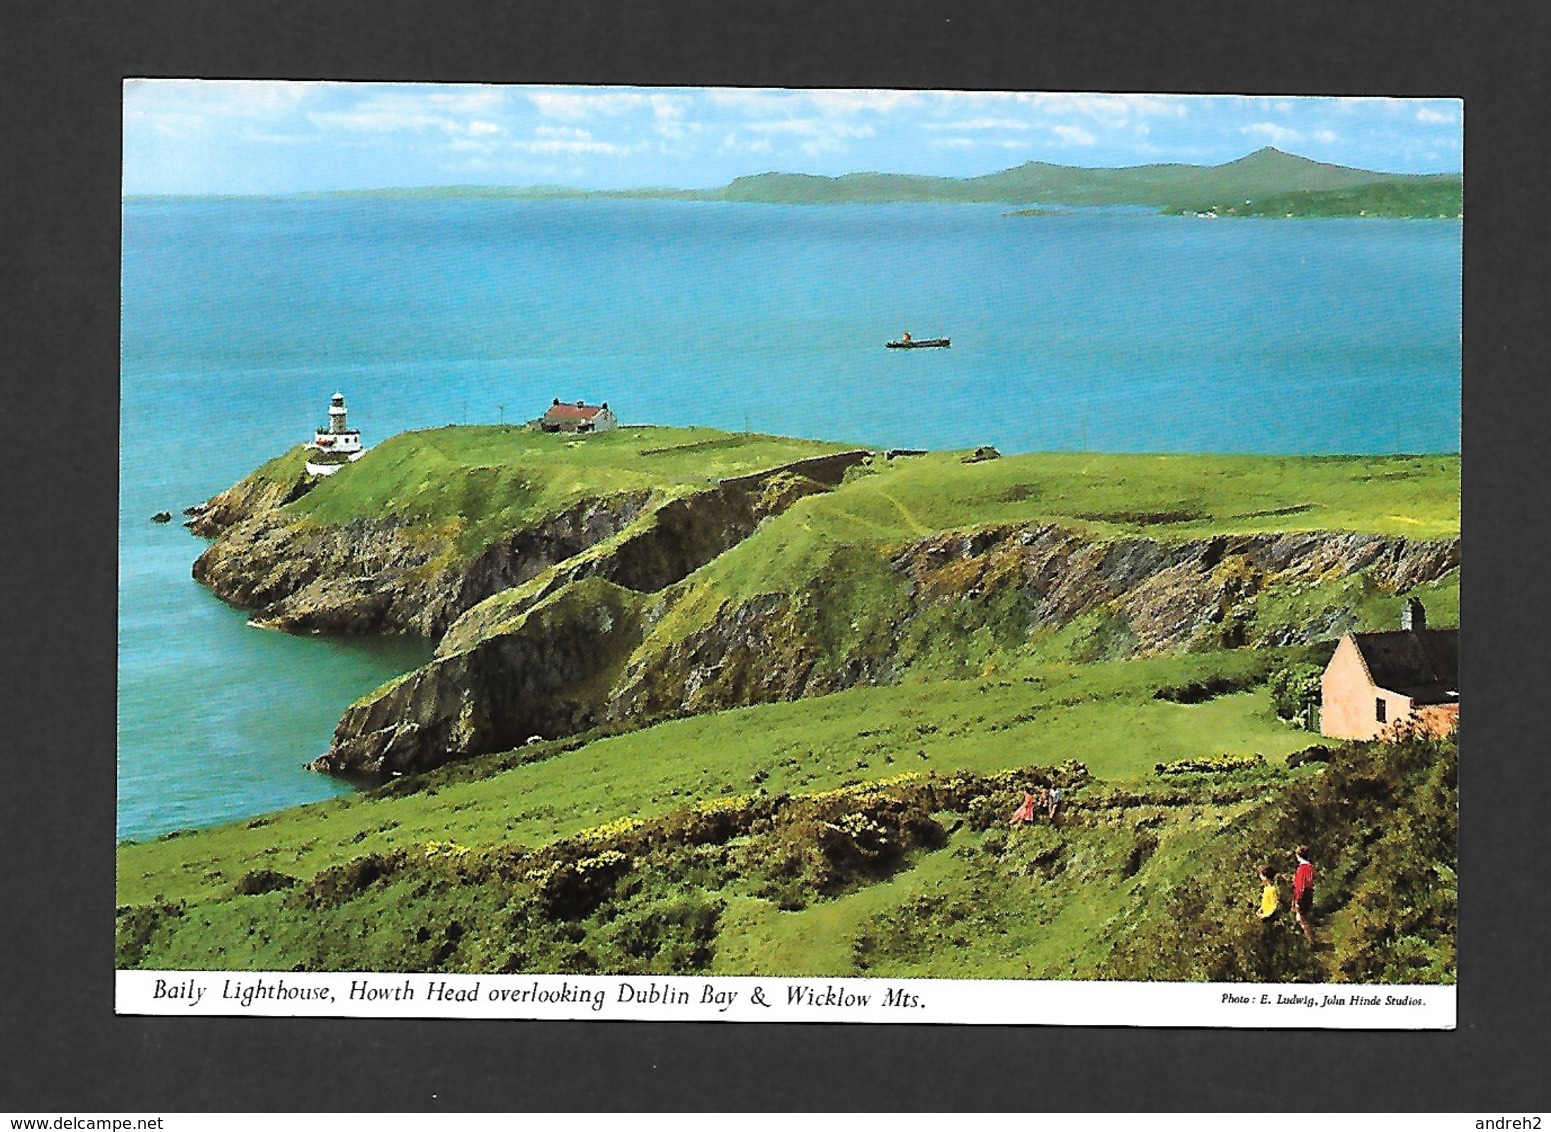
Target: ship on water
[(905, 342)]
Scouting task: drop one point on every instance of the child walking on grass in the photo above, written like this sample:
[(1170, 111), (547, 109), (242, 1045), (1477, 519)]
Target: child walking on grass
[(1303, 893), (1270, 898)]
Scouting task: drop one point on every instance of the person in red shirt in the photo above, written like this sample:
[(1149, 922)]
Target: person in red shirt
[(1303, 893)]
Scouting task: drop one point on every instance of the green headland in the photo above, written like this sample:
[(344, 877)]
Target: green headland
[(710, 702)]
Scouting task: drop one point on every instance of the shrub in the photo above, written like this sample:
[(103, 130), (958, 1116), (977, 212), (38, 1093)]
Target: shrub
[(572, 889), (259, 881), (1383, 820), (338, 884), (1294, 688), (673, 936), (1221, 764), (1317, 753), (135, 928)]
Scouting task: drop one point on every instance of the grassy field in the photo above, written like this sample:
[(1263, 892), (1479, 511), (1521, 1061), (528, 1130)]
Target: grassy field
[(470, 484), (1104, 715), (917, 874)]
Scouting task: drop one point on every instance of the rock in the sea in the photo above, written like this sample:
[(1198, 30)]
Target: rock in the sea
[(162, 517)]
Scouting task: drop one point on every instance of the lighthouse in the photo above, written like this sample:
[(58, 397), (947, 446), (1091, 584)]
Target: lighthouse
[(336, 443)]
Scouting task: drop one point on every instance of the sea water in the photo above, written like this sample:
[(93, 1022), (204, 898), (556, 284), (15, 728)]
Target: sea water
[(1112, 329)]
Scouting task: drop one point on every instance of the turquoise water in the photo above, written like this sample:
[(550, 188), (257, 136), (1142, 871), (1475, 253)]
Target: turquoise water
[(1116, 329)]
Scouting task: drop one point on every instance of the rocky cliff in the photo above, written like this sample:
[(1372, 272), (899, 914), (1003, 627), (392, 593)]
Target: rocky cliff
[(387, 575), (1010, 583), (392, 575), (574, 655)]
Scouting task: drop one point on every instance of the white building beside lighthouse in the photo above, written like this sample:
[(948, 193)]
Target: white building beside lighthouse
[(335, 443)]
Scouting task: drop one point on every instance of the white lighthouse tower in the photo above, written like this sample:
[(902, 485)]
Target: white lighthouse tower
[(336, 443)]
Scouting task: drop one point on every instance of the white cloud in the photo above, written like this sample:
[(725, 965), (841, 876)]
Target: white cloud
[(1074, 135), (573, 105), (479, 101), (814, 136), (184, 108), (473, 145), (1111, 107), (981, 124), (665, 106), (1273, 133), (559, 145), (450, 112), (812, 127), (383, 121), (1350, 103), (858, 101), (736, 143), (1326, 136), (1433, 117)]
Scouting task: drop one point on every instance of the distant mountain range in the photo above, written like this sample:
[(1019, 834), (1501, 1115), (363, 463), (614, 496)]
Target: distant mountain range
[(1171, 187), (1267, 182)]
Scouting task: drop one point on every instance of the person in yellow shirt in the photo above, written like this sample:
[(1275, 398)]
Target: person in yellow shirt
[(1270, 898)]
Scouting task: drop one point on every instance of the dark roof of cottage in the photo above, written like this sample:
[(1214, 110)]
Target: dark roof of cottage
[(1423, 666), (573, 412)]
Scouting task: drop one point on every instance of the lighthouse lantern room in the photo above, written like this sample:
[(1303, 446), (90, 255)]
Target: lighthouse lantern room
[(336, 443)]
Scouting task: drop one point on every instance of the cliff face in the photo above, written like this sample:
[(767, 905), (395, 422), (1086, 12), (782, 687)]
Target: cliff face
[(392, 576), (535, 679), (540, 663), (582, 656), (1016, 581), (279, 482), (386, 576)]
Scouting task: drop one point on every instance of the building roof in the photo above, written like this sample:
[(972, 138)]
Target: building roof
[(1423, 666), (577, 412)]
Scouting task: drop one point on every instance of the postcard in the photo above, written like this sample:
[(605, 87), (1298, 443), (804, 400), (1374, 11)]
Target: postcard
[(789, 555)]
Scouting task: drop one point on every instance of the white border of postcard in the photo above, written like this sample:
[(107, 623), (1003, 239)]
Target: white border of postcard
[(643, 998)]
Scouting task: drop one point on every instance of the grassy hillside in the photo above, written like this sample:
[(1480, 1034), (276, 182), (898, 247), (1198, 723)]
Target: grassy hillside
[(865, 831), (1168, 186), (850, 532), (469, 484), (911, 875), (1424, 198), (1107, 715)]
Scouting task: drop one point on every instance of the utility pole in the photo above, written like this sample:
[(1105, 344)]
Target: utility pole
[(503, 413)]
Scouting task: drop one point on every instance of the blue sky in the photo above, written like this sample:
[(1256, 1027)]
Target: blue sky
[(194, 136)]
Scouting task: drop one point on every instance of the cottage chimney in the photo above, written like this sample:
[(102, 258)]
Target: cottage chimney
[(1413, 618), (557, 400), (581, 404)]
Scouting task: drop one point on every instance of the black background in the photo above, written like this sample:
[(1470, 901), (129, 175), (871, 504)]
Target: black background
[(61, 69)]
